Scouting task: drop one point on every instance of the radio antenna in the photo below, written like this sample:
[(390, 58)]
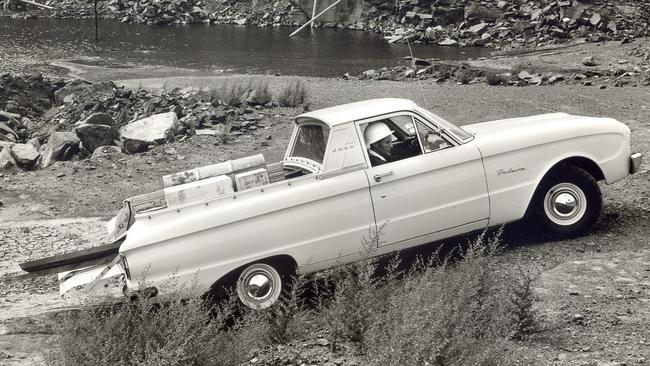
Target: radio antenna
[(416, 73)]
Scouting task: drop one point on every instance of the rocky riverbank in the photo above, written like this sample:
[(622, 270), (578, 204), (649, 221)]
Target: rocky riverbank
[(578, 64), (77, 119), (499, 24)]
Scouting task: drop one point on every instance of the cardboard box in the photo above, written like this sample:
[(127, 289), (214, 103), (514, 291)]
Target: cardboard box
[(198, 191), (251, 179)]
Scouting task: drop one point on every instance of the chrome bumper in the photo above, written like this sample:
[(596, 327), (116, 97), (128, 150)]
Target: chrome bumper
[(635, 162)]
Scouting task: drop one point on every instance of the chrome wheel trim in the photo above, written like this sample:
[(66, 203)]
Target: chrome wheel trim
[(259, 286), (565, 204)]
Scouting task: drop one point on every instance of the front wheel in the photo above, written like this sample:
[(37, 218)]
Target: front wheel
[(259, 286), (567, 203)]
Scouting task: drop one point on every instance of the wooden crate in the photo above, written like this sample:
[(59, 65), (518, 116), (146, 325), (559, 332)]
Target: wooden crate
[(198, 191), (251, 179)]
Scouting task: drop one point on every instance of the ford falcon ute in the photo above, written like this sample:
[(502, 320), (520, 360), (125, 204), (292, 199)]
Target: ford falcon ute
[(246, 224)]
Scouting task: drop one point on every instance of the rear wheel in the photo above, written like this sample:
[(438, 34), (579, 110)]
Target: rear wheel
[(259, 286), (567, 203)]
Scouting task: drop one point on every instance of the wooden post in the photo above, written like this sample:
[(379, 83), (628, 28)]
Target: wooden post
[(96, 27), (314, 18), (313, 12)]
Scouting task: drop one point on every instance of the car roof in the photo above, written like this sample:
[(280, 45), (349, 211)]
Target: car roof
[(358, 110)]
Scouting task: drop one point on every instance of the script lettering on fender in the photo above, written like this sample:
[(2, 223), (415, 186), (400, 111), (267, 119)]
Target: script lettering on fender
[(509, 170)]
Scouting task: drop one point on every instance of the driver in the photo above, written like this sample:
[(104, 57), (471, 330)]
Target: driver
[(378, 139)]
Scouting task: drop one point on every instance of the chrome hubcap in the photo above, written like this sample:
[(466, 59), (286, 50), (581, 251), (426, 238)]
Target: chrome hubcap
[(565, 204), (258, 286)]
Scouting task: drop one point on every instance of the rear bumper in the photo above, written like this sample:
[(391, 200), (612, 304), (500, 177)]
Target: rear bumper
[(635, 162)]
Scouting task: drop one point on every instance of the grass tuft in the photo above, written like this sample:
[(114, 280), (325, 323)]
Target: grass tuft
[(293, 95)]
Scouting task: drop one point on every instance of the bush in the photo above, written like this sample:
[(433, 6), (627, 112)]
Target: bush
[(463, 311), (261, 94), (495, 78), (234, 94), (450, 314), (465, 76), (222, 132), (182, 330), (293, 95)]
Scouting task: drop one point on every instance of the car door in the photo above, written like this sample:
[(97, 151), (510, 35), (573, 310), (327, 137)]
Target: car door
[(438, 193)]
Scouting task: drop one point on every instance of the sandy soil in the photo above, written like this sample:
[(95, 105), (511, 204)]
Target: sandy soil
[(594, 291)]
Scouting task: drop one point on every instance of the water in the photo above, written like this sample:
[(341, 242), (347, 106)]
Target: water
[(318, 52)]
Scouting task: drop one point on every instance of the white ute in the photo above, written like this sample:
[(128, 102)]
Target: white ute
[(248, 224)]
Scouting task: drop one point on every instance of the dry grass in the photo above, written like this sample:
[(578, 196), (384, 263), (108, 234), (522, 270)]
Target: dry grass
[(293, 95), (469, 310)]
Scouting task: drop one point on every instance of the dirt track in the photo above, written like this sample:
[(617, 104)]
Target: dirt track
[(595, 290)]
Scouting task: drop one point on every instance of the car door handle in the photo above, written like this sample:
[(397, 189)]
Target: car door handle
[(378, 177)]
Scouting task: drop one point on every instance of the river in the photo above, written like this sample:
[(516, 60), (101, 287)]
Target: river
[(238, 49)]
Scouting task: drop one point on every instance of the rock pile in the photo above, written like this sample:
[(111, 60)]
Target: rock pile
[(167, 12), (504, 24), (507, 24), (463, 72), (88, 117)]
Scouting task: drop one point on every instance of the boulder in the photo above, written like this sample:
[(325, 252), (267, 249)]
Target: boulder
[(99, 119), (106, 152), (67, 93), (448, 42), (482, 13), (93, 136), (524, 75), (60, 146), (595, 19), (156, 129), (445, 16), (7, 134), (9, 117), (6, 159), (25, 154), (589, 61), (478, 28)]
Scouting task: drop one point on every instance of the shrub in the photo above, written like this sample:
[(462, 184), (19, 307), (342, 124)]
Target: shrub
[(449, 314), (495, 78), (465, 76), (261, 94), (293, 95), (287, 319), (234, 94), (222, 132), (182, 330), (462, 311), (522, 299), (355, 294)]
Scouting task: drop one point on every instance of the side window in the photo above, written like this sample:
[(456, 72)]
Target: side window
[(390, 139), (431, 140)]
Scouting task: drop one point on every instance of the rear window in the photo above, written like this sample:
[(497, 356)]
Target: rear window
[(311, 142)]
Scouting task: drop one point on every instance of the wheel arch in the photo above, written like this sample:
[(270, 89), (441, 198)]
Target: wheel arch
[(285, 264), (581, 162)]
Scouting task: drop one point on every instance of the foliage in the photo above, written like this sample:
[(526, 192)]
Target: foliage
[(293, 95), (465, 310), (146, 331), (234, 94), (495, 78), (222, 132)]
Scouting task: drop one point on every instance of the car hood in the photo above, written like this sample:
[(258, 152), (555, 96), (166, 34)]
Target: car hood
[(511, 134)]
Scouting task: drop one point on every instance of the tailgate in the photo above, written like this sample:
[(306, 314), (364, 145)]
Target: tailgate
[(100, 280)]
